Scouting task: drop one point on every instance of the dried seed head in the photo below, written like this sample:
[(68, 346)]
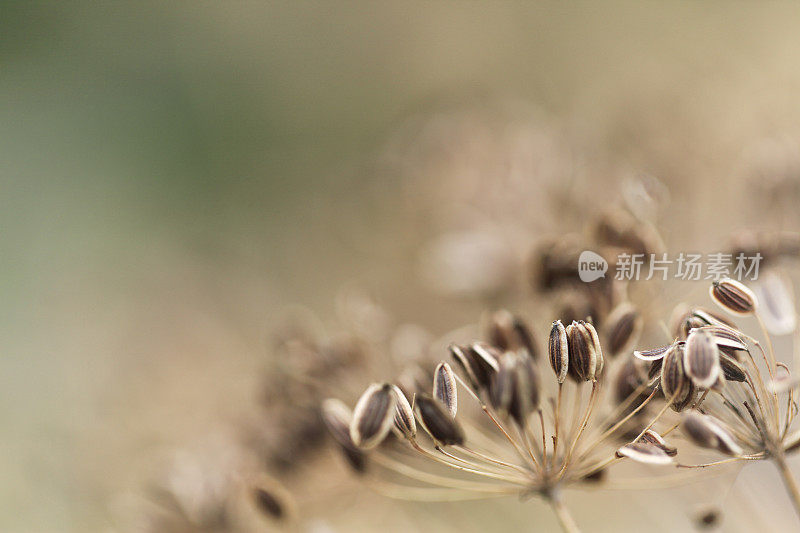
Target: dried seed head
[(373, 416), (701, 359), (674, 382), (337, 418), (437, 421), (559, 351), (706, 431), (444, 387), (622, 327), (644, 453), (733, 296), (585, 357), (404, 420), (653, 438)]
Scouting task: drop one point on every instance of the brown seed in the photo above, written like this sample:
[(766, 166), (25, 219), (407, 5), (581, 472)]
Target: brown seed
[(696, 317), (509, 332), (644, 453), (404, 419), (584, 355), (686, 400), (373, 416), (516, 388), (706, 431), (336, 417), (622, 327), (732, 369), (674, 382), (484, 359), (437, 421), (559, 351), (733, 296), (444, 387), (701, 359)]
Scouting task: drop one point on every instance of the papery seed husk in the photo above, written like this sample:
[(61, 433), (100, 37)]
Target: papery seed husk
[(733, 296), (652, 355), (622, 327), (444, 387), (558, 351), (437, 421), (373, 416), (404, 419), (701, 359), (644, 453), (725, 337), (653, 438)]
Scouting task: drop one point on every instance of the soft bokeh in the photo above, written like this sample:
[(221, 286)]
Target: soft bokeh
[(176, 175)]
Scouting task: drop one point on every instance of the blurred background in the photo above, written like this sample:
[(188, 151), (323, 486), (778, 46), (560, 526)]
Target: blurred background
[(175, 176)]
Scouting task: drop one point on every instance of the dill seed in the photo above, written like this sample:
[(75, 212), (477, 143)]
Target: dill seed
[(373, 416), (437, 421), (584, 356), (705, 431), (509, 332), (336, 417), (622, 327), (403, 415), (466, 364), (674, 382), (701, 359), (444, 387), (558, 351), (733, 296)]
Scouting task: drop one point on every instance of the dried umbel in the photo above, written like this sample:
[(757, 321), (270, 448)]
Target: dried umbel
[(751, 417), (533, 436), (733, 296)]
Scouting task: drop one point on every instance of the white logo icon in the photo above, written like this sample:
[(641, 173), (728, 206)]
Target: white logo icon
[(591, 266)]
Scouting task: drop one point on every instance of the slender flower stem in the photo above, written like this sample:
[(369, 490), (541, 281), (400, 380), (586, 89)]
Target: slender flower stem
[(562, 513), (789, 481)]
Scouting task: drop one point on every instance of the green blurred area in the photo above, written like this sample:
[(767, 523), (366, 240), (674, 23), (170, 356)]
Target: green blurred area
[(162, 159)]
